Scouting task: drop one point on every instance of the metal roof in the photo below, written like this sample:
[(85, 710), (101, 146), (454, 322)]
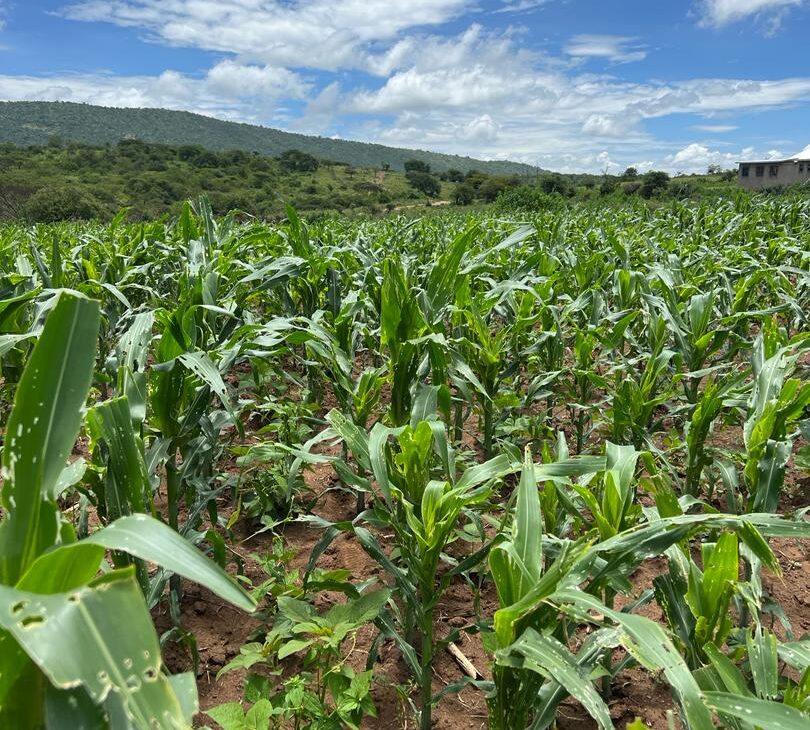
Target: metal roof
[(805, 158)]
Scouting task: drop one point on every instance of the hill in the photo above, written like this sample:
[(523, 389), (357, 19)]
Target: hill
[(35, 122), (65, 179)]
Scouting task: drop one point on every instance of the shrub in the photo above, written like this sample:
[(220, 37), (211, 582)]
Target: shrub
[(653, 182), (417, 166), (608, 186), (527, 197), (492, 187), (463, 194), (297, 161), (53, 204), (424, 183), (630, 188), (556, 183)]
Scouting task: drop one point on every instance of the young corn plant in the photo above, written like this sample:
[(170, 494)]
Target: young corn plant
[(63, 656), (636, 397), (423, 515), (759, 694), (534, 669), (696, 601), (709, 405), (401, 324), (776, 404), (585, 382), (696, 341)]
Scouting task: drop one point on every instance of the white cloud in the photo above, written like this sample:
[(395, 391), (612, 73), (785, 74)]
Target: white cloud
[(233, 79), (607, 165), (714, 128), (607, 125), (521, 6), (615, 48), (719, 13), (481, 129), (480, 92), (323, 34), (228, 90), (697, 157)]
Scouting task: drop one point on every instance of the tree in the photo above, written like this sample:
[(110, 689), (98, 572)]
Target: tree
[(631, 173), (424, 183), (53, 204), (463, 194), (608, 185), (492, 187), (714, 169), (555, 183), (454, 175), (475, 178), (417, 166), (297, 161), (653, 182)]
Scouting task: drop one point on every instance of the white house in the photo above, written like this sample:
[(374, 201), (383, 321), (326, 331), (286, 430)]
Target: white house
[(761, 174)]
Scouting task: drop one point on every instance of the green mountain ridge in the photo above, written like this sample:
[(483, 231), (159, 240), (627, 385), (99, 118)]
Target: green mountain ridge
[(28, 123)]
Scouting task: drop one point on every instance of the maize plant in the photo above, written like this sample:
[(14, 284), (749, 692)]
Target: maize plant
[(64, 658), (299, 392)]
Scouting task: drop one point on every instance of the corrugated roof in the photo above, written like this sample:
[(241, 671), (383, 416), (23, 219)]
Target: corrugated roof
[(803, 156)]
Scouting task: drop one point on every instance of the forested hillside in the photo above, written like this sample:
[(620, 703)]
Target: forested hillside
[(35, 122), (64, 180)]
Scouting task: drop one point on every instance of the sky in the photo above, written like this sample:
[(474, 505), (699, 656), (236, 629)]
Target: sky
[(569, 85)]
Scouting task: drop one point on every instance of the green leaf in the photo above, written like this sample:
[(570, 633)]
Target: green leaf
[(547, 656), (527, 531), (76, 639), (653, 649), (763, 713), (132, 352), (764, 662), (144, 537), (293, 647), (231, 716), (42, 429), (203, 367), (72, 709), (62, 569), (359, 610), (127, 477), (795, 653)]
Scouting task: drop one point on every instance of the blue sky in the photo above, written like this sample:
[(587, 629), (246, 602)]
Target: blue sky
[(571, 85)]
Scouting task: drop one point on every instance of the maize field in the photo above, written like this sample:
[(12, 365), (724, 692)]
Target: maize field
[(459, 471)]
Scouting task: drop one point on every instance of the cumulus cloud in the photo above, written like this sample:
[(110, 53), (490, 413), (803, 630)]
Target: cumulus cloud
[(615, 48), (323, 34), (606, 125), (697, 157), (485, 93), (229, 90), (481, 129), (719, 13)]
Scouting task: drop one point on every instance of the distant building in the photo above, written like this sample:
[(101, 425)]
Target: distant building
[(761, 174)]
